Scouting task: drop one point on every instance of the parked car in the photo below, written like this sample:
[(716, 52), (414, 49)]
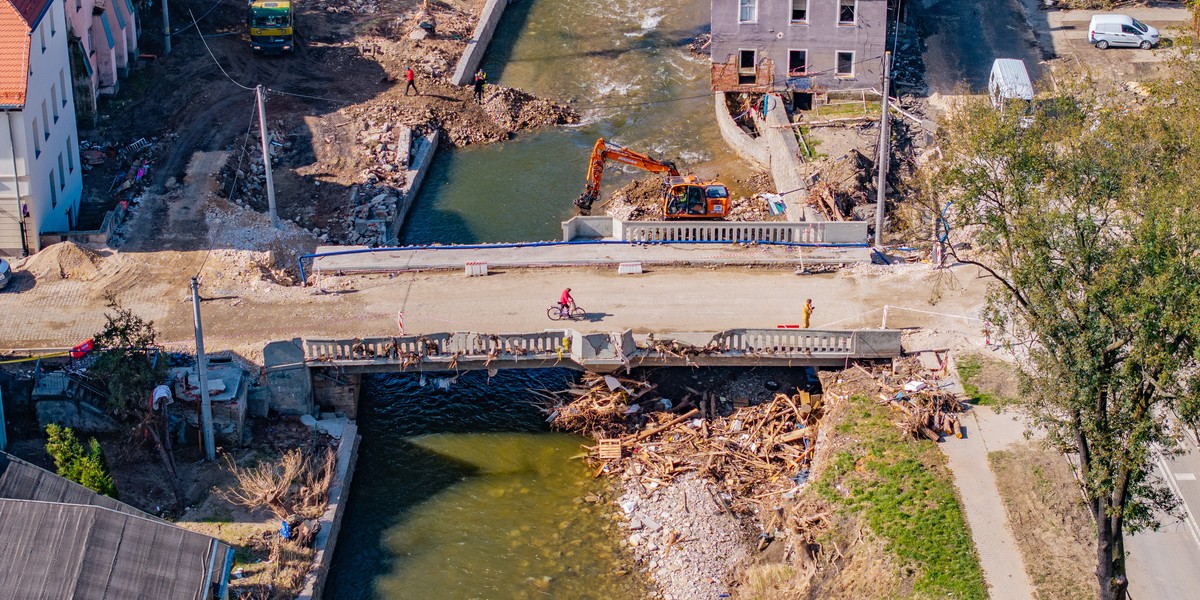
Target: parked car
[(1121, 30), (1009, 88), (6, 274)]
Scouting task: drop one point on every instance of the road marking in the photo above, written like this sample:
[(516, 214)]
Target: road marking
[(1189, 519), (1185, 476)]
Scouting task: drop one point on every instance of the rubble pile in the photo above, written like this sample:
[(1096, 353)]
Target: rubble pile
[(387, 150), (354, 7), (698, 47), (515, 110), (842, 184), (243, 178), (926, 409), (369, 215)]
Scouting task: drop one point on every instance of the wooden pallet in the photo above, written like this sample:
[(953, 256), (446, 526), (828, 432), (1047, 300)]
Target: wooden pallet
[(610, 449)]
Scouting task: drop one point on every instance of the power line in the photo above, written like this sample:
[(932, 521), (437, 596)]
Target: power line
[(334, 100), (210, 52)]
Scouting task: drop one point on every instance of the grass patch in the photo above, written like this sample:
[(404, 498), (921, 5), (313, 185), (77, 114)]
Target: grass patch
[(843, 109), (987, 382), (902, 490)]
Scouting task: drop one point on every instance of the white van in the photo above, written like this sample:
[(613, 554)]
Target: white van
[(1121, 30), (1009, 85)]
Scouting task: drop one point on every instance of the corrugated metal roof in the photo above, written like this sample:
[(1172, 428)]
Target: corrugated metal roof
[(59, 539), (53, 550), (1012, 78)]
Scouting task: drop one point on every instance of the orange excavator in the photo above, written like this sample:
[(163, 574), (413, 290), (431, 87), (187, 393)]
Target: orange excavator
[(686, 197)]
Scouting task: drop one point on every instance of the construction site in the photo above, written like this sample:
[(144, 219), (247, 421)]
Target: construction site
[(774, 383)]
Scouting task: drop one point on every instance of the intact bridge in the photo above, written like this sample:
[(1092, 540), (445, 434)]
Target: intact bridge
[(328, 370)]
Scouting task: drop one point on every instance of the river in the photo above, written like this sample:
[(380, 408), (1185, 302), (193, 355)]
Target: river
[(463, 493), (625, 66)]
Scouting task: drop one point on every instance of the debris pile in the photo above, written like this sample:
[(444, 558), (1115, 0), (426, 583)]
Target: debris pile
[(840, 185), (243, 178), (926, 407), (514, 110), (387, 147), (751, 453), (369, 215)]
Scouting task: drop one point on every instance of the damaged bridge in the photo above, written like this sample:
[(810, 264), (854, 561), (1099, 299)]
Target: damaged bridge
[(300, 369)]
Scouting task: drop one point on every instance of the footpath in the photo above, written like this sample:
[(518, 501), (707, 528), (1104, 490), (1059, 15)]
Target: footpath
[(999, 556)]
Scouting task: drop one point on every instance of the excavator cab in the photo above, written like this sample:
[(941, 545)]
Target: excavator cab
[(687, 198)]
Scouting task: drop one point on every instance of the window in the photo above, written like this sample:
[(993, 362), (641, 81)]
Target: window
[(45, 121), (747, 11), (42, 37), (62, 175), (845, 64), (71, 153), (747, 63), (797, 62), (1129, 29), (53, 192), (78, 5), (846, 11), (62, 81), (799, 11), (37, 139), (54, 101), (53, 29)]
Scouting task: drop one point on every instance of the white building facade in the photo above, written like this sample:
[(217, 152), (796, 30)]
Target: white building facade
[(41, 179)]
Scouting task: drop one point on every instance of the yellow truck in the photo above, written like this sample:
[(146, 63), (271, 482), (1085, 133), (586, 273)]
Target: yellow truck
[(272, 24)]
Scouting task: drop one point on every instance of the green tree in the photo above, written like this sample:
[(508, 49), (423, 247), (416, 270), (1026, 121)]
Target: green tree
[(85, 467), (1087, 221), (126, 359)]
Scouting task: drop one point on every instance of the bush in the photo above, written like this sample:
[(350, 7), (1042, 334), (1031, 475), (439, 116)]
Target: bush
[(85, 467)]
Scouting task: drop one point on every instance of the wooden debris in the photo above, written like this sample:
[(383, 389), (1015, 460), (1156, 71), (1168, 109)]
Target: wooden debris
[(609, 449)]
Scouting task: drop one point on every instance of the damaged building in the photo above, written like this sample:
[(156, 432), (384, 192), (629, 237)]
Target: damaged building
[(809, 47)]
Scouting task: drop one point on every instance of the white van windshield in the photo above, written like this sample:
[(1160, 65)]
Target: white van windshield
[(1140, 25)]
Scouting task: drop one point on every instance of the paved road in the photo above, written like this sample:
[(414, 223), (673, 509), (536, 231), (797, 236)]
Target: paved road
[(963, 38), (1166, 563)]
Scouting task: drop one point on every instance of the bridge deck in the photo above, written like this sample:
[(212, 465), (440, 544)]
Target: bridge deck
[(451, 257)]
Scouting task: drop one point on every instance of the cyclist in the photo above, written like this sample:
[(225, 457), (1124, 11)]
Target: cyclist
[(565, 301)]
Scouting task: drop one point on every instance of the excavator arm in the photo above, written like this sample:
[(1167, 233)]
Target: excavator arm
[(604, 151)]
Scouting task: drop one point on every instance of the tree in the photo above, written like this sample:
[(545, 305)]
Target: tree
[(1087, 221), (126, 361), (85, 467)]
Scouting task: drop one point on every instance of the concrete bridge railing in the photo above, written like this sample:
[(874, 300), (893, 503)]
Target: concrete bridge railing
[(811, 232), (603, 351)]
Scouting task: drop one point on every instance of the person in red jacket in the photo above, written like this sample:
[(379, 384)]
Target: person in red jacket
[(565, 301), (411, 79)]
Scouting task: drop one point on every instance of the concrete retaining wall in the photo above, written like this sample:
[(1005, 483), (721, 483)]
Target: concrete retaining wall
[(477, 45), (331, 520), (590, 227), (421, 156), (785, 160), (751, 149)]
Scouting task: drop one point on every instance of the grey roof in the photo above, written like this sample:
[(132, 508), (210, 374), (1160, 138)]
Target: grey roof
[(57, 542)]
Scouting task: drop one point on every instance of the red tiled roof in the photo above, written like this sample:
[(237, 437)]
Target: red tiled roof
[(16, 20)]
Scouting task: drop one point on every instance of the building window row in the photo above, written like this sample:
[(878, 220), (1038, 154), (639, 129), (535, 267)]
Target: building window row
[(847, 11), (797, 65)]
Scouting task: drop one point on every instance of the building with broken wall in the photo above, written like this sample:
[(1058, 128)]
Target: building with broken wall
[(806, 46), (103, 46)]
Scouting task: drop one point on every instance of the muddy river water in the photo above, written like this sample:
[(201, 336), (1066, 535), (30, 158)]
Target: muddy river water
[(625, 66), (462, 492)]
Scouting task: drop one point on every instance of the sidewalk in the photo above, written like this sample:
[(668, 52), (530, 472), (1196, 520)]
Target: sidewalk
[(1001, 560)]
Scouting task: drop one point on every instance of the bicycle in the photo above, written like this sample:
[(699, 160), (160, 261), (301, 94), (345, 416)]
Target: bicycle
[(557, 314)]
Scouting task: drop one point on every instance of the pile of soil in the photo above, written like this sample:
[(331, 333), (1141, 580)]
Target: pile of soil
[(65, 260)]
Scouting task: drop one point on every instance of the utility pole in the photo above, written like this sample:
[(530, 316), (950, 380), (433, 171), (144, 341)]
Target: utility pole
[(266, 150), (166, 29), (885, 143), (206, 418)]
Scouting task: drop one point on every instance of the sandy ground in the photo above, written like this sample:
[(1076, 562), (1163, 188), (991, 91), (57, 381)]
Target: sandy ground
[(242, 311)]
